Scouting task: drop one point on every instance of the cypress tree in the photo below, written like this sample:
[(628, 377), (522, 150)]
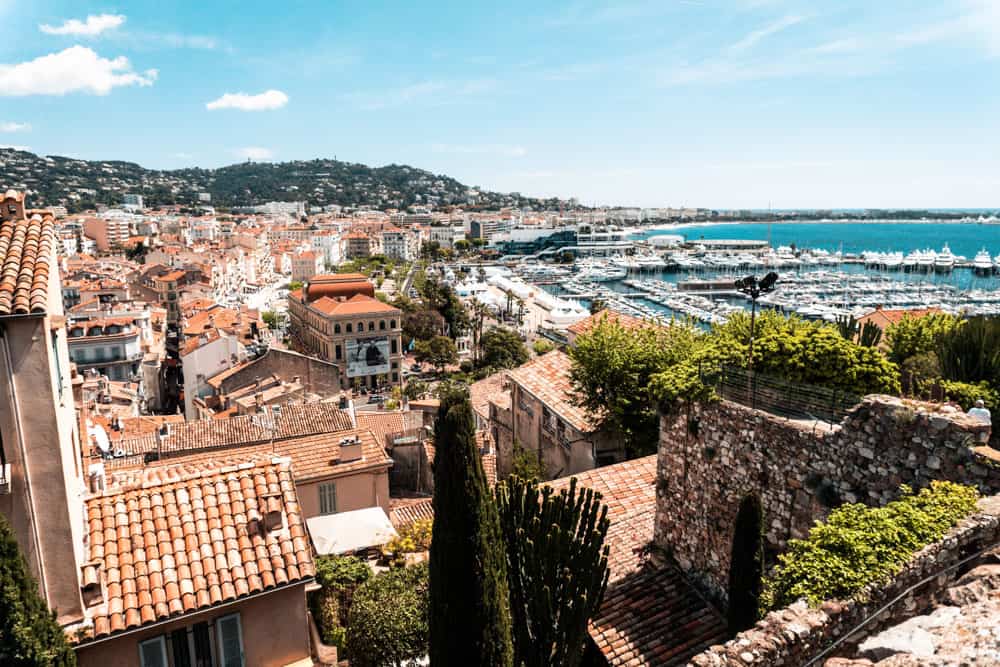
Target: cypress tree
[(746, 566), (29, 633), (469, 610)]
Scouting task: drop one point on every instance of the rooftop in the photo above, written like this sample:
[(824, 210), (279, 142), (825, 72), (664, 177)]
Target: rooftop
[(623, 320), (359, 304), (26, 249), (187, 540), (547, 378)]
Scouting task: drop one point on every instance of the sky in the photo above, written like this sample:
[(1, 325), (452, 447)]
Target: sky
[(712, 103)]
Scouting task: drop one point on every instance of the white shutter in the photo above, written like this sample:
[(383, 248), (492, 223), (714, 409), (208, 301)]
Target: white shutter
[(230, 640), (153, 652), (328, 498)]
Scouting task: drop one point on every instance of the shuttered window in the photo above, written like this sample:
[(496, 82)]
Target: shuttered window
[(328, 498)]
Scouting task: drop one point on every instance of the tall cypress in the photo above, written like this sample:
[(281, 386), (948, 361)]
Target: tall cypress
[(29, 633), (469, 607)]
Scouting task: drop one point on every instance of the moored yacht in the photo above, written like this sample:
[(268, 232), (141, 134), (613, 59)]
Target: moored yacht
[(982, 265), (945, 260)]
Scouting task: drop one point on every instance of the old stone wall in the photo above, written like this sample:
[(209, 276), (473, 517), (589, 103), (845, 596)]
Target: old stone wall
[(798, 634), (317, 376), (713, 455)]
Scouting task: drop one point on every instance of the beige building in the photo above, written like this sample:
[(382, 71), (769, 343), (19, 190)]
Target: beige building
[(107, 233), (545, 420), (336, 318), (306, 264)]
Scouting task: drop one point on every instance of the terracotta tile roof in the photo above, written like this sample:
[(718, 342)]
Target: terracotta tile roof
[(547, 379), (489, 389), (381, 424), (883, 318), (294, 421), (629, 491), (26, 253), (359, 304), (313, 457), (188, 540), (625, 321), (654, 617), (404, 511)]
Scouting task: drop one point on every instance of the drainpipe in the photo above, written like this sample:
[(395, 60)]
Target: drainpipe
[(24, 460)]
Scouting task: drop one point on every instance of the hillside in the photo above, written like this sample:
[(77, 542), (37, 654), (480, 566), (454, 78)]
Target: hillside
[(79, 184)]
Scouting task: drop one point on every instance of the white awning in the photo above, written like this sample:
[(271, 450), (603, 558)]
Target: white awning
[(347, 532)]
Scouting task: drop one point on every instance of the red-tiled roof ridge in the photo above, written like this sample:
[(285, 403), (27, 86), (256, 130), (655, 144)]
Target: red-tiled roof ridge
[(27, 247), (547, 378), (623, 320)]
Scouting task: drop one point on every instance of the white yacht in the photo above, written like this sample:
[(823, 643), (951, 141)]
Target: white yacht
[(945, 260), (926, 260), (982, 265)]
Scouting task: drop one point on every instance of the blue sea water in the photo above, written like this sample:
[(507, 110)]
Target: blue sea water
[(963, 238)]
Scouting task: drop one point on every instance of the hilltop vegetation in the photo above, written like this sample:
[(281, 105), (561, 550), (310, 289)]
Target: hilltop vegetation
[(80, 184)]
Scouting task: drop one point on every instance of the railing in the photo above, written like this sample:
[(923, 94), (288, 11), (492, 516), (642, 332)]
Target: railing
[(781, 397)]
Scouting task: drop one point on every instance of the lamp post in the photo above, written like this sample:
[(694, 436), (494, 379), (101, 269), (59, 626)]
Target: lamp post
[(754, 288)]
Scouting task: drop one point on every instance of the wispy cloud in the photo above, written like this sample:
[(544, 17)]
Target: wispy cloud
[(266, 101), (14, 127), (502, 150), (435, 93), (11, 147), (845, 45), (92, 26), (772, 28), (76, 69), (254, 153)]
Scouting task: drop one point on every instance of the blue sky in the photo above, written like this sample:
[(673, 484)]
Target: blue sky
[(720, 103)]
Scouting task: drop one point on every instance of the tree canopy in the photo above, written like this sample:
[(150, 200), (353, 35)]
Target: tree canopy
[(501, 348), (388, 620), (438, 351)]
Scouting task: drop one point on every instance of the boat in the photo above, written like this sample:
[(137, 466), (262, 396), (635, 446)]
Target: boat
[(944, 262), (982, 265), (926, 261)]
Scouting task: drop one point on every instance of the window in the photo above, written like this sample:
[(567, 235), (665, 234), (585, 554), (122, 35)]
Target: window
[(337, 351), (336, 328), (328, 498), (393, 347), (179, 648), (392, 324), (55, 355), (230, 636), (381, 325), (349, 327), (153, 652)]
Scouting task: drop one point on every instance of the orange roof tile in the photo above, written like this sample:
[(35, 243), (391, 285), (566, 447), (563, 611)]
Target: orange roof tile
[(623, 320), (182, 541), (26, 254), (547, 379), (381, 424), (359, 304), (404, 511), (489, 389)]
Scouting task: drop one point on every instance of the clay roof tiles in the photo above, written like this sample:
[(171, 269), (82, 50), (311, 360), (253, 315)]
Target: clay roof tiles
[(192, 539), (547, 378), (26, 260)]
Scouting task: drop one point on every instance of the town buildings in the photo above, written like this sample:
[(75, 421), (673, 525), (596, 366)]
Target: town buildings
[(337, 318)]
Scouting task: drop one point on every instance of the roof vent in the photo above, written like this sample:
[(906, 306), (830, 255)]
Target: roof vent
[(270, 506), (350, 449), (90, 584)]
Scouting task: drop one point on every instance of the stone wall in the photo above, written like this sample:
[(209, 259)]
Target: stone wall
[(797, 634), (317, 376), (713, 455)]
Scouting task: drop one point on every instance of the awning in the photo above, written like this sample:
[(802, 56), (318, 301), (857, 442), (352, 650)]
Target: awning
[(347, 532)]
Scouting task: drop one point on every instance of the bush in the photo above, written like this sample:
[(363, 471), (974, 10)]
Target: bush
[(542, 345), (918, 335), (413, 538), (859, 545), (387, 624), (338, 576)]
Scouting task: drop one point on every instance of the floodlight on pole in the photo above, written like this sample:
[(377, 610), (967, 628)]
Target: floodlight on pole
[(754, 288)]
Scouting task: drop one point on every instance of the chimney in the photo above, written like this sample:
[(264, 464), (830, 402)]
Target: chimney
[(350, 449), (95, 477)]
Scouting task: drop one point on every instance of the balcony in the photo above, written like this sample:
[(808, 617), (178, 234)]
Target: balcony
[(4, 479)]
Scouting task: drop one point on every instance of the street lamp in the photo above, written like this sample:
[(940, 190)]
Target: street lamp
[(754, 288)]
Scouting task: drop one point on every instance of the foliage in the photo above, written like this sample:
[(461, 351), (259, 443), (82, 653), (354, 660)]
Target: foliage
[(525, 464), (557, 567), (921, 369), (870, 335), (270, 318), (746, 566), (501, 348), (339, 571), (442, 298), (542, 345), (916, 335), (859, 545), (415, 389), (470, 620), (971, 352), (422, 325), (966, 394), (324, 605), (804, 352), (412, 538), (439, 351), (29, 633), (337, 577), (388, 621), (294, 285), (613, 368)]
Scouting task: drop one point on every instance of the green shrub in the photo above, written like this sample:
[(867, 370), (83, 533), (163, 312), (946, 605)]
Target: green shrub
[(338, 576), (966, 393), (542, 345), (388, 619), (859, 545)]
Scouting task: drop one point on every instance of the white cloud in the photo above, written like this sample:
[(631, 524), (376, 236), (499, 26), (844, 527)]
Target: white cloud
[(10, 147), (266, 101), (254, 153), (772, 28), (481, 149), (93, 26), (76, 69), (15, 127)]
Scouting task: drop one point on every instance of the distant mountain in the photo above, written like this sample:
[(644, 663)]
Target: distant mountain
[(80, 184)]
